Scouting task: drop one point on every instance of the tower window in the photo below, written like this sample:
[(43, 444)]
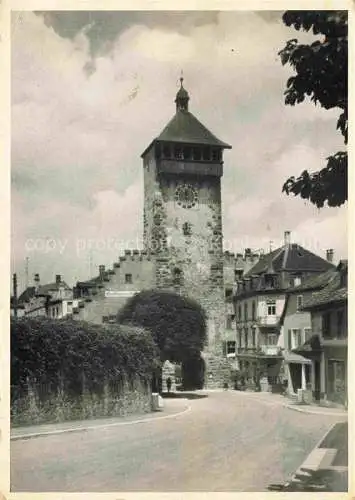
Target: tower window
[(187, 153), (215, 154), (197, 154), (167, 151), (178, 152), (206, 153), (177, 277), (187, 229)]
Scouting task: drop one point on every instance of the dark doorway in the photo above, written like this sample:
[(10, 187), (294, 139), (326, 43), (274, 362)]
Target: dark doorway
[(317, 380), (193, 373), (296, 375)]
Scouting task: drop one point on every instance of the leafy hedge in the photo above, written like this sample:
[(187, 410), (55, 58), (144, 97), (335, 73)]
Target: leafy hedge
[(77, 358)]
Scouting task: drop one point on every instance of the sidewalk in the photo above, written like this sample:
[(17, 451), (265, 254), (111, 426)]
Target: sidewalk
[(172, 408), (270, 398)]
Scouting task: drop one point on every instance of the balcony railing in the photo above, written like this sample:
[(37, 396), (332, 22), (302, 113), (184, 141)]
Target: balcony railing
[(268, 320), (263, 350)]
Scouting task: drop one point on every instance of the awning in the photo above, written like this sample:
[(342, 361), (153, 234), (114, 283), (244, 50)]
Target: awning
[(292, 357)]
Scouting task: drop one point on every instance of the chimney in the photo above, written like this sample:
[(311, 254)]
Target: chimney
[(37, 281), (101, 271), (330, 255), (287, 238), (58, 279)]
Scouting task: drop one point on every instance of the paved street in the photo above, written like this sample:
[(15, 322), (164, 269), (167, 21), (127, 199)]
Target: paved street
[(227, 442)]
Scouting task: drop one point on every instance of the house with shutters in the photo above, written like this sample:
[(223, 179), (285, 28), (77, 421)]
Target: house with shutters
[(259, 303), (296, 328), (327, 348)]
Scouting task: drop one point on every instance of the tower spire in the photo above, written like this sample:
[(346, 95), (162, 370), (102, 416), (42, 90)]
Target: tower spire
[(182, 97)]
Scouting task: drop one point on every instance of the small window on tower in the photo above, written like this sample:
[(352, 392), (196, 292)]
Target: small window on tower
[(177, 277), (167, 151), (187, 229), (187, 153), (197, 154), (206, 153), (178, 152), (215, 154)]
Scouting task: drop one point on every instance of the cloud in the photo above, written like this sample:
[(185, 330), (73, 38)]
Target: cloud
[(82, 117)]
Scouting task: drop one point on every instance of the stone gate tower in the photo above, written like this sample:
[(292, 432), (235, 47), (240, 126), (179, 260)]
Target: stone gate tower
[(183, 167)]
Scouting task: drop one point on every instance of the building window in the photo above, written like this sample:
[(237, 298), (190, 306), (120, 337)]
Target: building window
[(246, 338), (271, 308), (238, 273), (296, 338), (246, 311), (271, 339), (253, 310), (239, 312), (128, 278), (307, 334), (299, 302), (229, 321), (228, 292), (326, 325), (240, 335), (253, 337), (230, 347)]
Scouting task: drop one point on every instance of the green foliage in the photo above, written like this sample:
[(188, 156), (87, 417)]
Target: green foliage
[(70, 354), (177, 323), (321, 74)]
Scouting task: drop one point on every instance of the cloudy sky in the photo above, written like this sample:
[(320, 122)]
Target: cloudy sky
[(90, 90)]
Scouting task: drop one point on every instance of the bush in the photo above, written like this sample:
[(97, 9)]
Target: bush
[(177, 323)]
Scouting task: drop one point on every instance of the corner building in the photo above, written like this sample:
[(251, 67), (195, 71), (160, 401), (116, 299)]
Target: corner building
[(183, 167)]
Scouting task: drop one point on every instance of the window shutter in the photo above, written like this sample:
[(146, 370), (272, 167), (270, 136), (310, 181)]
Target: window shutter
[(289, 341)]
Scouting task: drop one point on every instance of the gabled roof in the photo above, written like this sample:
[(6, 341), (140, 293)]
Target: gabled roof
[(27, 294), (186, 128), (333, 292), (290, 257), (52, 287)]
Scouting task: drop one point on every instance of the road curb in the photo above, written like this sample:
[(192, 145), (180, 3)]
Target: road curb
[(312, 412), (99, 426)]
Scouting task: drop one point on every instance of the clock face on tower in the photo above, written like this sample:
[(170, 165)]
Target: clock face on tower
[(186, 196)]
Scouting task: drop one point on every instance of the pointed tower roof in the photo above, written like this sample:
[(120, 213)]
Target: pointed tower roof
[(185, 128)]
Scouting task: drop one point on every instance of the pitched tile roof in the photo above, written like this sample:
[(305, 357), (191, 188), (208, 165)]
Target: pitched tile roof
[(27, 294), (291, 257), (333, 292), (315, 282), (185, 127)]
